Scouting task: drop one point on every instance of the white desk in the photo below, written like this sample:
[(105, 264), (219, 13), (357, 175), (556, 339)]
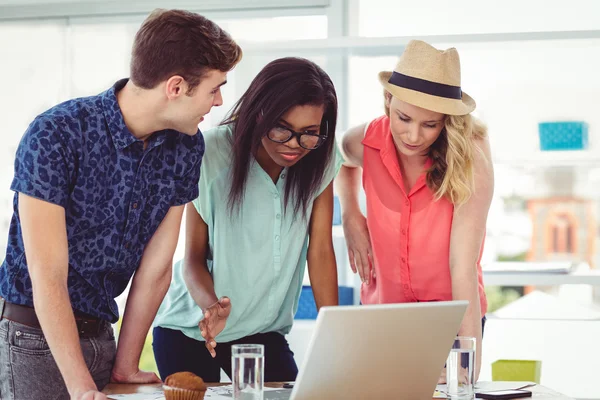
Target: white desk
[(568, 350), (539, 392)]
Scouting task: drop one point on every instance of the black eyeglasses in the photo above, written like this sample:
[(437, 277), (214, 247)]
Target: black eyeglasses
[(306, 140)]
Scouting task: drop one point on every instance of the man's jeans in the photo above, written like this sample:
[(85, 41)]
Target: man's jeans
[(28, 370)]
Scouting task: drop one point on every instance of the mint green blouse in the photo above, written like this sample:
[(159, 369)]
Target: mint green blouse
[(257, 256)]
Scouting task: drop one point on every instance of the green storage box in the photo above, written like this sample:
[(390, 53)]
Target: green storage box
[(517, 370)]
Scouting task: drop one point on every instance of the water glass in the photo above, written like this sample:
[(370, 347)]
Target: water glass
[(247, 368), (460, 369)]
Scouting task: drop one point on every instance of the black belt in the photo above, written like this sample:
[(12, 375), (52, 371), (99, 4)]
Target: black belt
[(87, 326)]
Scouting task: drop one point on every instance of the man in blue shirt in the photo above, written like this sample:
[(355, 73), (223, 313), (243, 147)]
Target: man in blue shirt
[(100, 185)]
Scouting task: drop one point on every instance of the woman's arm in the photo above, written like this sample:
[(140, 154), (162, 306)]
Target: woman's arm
[(351, 146), (195, 270), (348, 187), (348, 180), (322, 268), (199, 281), (468, 232)]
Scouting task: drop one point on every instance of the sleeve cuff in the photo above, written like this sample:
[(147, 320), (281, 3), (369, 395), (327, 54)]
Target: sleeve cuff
[(51, 195), (187, 196)]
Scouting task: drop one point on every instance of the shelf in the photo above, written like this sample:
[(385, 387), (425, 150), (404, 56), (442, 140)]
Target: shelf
[(494, 278), (567, 158)]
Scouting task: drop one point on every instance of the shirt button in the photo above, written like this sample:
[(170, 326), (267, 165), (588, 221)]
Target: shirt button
[(403, 260), (127, 245), (405, 286), (276, 238), (276, 195), (282, 176), (134, 205), (407, 202), (403, 231), (278, 216)]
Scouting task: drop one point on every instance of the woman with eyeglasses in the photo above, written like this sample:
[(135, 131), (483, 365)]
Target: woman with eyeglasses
[(265, 189)]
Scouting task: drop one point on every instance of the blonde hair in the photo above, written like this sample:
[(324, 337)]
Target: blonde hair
[(451, 175)]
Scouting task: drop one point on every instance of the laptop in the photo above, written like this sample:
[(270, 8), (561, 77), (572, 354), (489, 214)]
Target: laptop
[(388, 351)]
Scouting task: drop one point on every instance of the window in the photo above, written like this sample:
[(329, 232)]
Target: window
[(276, 28), (33, 67), (439, 17), (100, 52)]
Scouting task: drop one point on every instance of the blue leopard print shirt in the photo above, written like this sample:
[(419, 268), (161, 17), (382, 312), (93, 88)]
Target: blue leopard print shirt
[(81, 156)]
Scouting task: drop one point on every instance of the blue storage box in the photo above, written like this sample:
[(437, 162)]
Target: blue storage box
[(337, 211), (571, 135), (307, 309)]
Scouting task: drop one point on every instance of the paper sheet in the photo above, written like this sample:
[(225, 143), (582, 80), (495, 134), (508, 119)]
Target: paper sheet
[(226, 393), (157, 395), (213, 393)]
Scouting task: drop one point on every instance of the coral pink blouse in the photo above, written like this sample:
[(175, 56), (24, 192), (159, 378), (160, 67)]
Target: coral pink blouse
[(410, 232)]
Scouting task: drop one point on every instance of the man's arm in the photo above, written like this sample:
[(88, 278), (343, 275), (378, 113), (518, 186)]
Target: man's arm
[(322, 268), (45, 238), (148, 288)]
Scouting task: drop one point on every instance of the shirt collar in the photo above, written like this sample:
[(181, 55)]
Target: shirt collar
[(376, 139), (119, 132), (382, 140), (121, 135)]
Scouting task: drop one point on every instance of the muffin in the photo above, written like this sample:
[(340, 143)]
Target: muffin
[(184, 386)]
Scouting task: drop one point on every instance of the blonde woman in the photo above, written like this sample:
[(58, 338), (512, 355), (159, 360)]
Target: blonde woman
[(428, 179)]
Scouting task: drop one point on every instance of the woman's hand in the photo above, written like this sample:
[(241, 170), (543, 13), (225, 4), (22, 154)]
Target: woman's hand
[(215, 318), (359, 245)]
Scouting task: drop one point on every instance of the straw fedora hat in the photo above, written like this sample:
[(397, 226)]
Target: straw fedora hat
[(428, 78)]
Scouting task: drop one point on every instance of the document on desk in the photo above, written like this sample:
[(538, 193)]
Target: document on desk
[(226, 393), (157, 395), (213, 393)]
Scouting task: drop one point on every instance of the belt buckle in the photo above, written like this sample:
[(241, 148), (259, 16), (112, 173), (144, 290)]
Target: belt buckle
[(88, 329)]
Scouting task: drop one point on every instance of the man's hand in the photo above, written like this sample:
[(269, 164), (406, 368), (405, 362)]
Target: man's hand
[(442, 378), (213, 323), (89, 395), (136, 377)]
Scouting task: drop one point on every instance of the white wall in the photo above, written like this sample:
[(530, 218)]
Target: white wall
[(440, 17), (517, 85)]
